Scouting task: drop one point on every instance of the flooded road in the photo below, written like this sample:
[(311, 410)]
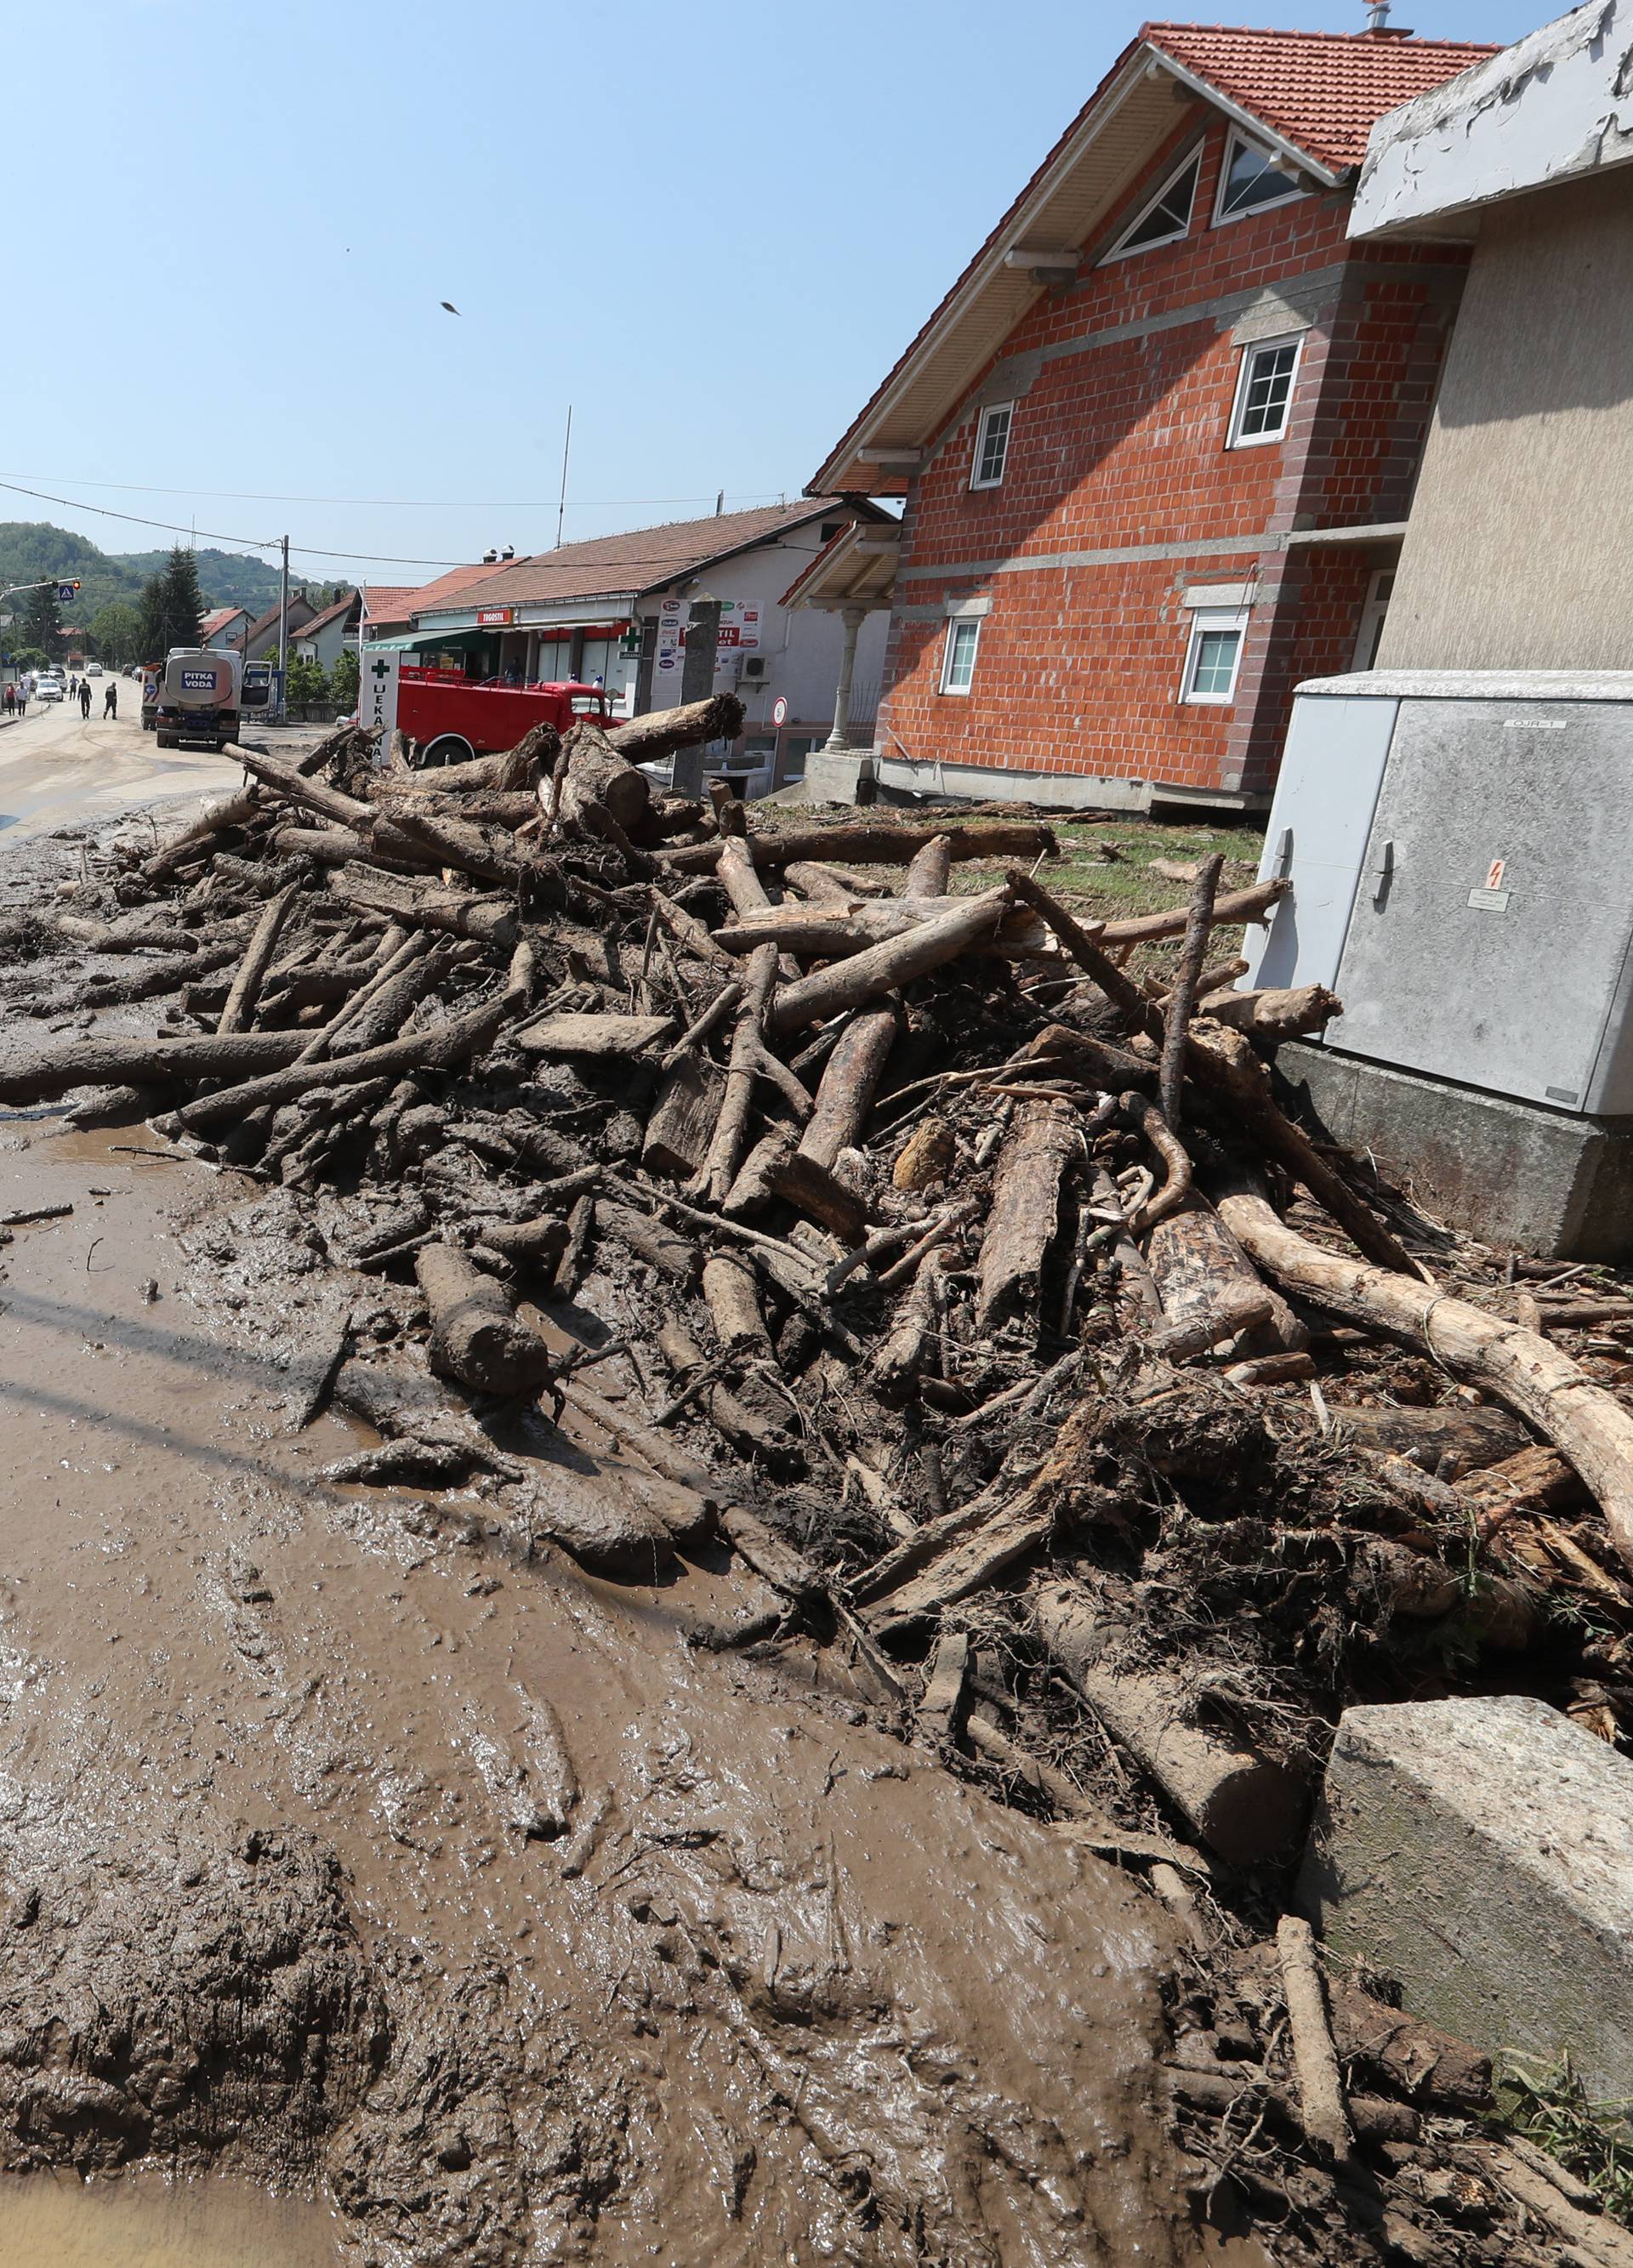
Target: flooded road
[(352, 1842), (56, 767)]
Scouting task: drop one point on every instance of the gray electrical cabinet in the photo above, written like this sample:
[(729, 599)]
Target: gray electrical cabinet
[(1460, 849)]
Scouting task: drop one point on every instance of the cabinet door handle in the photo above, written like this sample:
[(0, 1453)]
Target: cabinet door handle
[(1283, 861)]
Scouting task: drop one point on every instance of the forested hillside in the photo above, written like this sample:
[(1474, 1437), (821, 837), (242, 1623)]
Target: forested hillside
[(32, 548)]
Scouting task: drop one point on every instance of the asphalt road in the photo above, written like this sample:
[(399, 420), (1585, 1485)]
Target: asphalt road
[(58, 767)]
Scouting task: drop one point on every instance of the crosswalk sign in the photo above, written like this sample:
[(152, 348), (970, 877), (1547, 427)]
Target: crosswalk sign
[(67, 590)]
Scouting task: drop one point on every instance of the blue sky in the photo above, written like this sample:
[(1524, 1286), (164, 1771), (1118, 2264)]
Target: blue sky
[(710, 229)]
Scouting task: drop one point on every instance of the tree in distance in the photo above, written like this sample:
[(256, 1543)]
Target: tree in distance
[(42, 620), (343, 679), (172, 607), (116, 633)]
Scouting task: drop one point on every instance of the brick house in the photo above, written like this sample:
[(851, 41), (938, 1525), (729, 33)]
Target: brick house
[(1157, 444)]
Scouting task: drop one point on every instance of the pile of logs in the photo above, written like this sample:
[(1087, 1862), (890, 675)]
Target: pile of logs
[(965, 1273)]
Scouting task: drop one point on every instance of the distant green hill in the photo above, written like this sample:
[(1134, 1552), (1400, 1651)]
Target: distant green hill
[(31, 549)]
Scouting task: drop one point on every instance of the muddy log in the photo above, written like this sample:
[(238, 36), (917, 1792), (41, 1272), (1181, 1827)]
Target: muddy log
[(886, 967), (145, 1063), (1272, 1016), (732, 1291), (602, 1038), (341, 846), (1205, 1279), (597, 773), (427, 905), (237, 811), (683, 1118), (850, 1080), (1176, 1014), (444, 1047), (911, 1349), (1025, 1210), (1585, 1423), (646, 738), (533, 1244), (1471, 1439), (513, 771), (240, 1010), (720, 1167), (476, 1338), (1242, 1804), (865, 845)]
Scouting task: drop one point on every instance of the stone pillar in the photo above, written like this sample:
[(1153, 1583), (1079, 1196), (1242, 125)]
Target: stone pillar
[(840, 739)]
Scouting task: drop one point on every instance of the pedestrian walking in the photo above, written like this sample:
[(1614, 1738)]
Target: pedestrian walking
[(22, 700), (73, 687), (85, 700), (110, 703)]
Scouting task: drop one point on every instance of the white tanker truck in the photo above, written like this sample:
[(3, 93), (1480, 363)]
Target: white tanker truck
[(199, 696)]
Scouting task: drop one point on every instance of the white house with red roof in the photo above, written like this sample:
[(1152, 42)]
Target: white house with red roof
[(224, 627)]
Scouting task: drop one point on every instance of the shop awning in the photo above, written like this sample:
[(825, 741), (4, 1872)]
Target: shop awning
[(418, 639)]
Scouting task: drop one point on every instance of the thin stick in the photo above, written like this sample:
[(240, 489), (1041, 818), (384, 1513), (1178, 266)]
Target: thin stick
[(1118, 989), (1182, 999), (719, 1007), (1320, 2089)]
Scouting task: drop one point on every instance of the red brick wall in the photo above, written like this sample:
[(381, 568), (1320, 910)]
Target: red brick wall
[(1123, 446)]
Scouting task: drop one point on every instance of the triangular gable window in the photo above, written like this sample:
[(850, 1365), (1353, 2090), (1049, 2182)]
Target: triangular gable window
[(1168, 216), (1251, 179)]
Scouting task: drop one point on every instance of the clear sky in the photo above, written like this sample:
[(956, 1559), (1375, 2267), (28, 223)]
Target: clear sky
[(709, 229)]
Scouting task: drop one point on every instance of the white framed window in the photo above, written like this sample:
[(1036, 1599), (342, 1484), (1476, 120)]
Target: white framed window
[(1163, 218), (1379, 593), (1263, 392), (1214, 655), (991, 444), (1251, 179), (963, 635)]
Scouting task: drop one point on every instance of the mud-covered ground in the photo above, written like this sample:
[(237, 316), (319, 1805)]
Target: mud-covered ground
[(352, 1840)]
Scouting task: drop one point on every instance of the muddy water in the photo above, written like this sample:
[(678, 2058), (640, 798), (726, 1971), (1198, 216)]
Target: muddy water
[(56, 2221), (344, 1846)]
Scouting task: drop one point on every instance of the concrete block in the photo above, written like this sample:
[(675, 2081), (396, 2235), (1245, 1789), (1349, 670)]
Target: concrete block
[(1513, 1173), (1482, 1852), (834, 774)]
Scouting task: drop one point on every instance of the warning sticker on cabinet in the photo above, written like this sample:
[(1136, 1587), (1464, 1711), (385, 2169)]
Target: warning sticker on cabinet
[(1491, 901)]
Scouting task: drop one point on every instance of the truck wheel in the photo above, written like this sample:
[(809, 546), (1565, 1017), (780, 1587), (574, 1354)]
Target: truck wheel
[(446, 748)]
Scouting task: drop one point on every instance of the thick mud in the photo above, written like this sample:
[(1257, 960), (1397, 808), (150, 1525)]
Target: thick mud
[(59, 2221), (349, 1844)]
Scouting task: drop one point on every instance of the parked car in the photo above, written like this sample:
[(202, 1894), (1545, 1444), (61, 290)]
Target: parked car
[(48, 687)]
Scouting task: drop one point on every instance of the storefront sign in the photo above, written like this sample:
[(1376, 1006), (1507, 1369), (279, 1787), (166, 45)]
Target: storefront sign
[(495, 618), (670, 636), (377, 696), (740, 625)]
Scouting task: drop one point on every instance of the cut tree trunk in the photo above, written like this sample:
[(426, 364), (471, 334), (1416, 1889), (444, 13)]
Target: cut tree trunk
[(1585, 1423), (720, 1168), (1182, 999), (1025, 1210), (604, 1039), (598, 773), (476, 1338), (142, 1062), (425, 905), (730, 1288), (683, 1118), (238, 1013), (1203, 1277), (850, 1080)]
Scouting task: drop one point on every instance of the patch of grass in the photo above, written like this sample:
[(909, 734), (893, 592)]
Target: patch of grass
[(1551, 2108)]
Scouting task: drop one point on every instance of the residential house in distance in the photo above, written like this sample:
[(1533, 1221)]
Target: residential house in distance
[(326, 637), (672, 614), (224, 627), (261, 643), (1157, 444)]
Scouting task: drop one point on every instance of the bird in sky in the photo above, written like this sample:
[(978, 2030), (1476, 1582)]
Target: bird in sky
[(451, 309)]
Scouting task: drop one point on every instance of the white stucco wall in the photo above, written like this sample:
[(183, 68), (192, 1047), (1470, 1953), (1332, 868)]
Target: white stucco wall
[(1552, 107), (801, 645)]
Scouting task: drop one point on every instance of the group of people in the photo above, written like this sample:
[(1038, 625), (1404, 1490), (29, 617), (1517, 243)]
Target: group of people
[(14, 701)]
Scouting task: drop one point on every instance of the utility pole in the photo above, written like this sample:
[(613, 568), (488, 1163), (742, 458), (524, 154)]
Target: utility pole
[(282, 635), (561, 509)]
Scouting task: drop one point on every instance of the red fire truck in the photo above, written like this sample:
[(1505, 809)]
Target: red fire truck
[(450, 718)]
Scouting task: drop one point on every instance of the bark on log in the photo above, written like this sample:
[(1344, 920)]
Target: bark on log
[(1586, 1424), (887, 966), (649, 1240), (1081, 943), (742, 1427), (239, 1012), (1236, 906), (535, 1244), (147, 1063), (1474, 1438), (850, 1080), (684, 1118), (476, 1336), (830, 931), (1200, 1269), (736, 875), (1025, 1210), (1536, 1480), (929, 869), (812, 1189), (514, 770), (598, 773), (864, 845), (237, 811), (1275, 1015), (1320, 2089), (1242, 1804), (342, 846), (1236, 1307), (643, 740), (427, 905), (1182, 999), (719, 1167), (910, 1349)]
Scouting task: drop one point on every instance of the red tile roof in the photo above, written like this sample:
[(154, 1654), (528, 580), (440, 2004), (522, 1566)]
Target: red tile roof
[(329, 613), (640, 559), (1323, 91), (390, 602), (457, 578), (217, 620)]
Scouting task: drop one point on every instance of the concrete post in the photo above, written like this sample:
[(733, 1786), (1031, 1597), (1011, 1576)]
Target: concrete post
[(840, 739)]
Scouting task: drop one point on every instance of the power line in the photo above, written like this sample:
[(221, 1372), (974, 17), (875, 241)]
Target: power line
[(404, 503), (214, 534)]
